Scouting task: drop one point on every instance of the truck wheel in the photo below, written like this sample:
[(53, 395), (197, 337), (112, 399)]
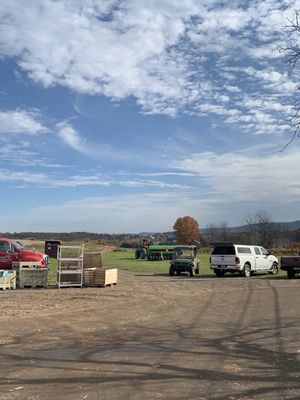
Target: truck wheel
[(171, 271), (219, 273), (291, 274), (274, 269), (247, 271)]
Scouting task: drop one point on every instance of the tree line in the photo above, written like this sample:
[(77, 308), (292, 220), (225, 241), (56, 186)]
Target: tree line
[(259, 229)]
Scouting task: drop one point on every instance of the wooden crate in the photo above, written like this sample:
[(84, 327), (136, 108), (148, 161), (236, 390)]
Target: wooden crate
[(16, 265), (100, 277), (32, 278), (69, 278), (92, 260), (7, 279)]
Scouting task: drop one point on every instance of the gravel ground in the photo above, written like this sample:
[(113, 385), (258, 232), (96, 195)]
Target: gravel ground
[(152, 337)]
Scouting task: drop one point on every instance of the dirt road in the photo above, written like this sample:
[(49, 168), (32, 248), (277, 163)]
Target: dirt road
[(153, 337)]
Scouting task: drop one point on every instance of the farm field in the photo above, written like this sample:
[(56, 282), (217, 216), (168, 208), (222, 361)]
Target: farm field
[(125, 260), (153, 337), (114, 257)]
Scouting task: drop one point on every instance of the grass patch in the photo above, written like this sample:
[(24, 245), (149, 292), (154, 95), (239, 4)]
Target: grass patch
[(126, 260)]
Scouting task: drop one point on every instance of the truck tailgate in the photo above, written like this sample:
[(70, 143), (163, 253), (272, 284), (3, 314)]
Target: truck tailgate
[(290, 261), (223, 260)]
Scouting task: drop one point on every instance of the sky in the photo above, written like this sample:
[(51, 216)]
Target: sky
[(119, 116)]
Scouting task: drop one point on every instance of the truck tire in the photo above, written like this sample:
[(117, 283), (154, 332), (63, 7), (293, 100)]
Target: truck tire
[(290, 274), (274, 269), (171, 271), (247, 271)]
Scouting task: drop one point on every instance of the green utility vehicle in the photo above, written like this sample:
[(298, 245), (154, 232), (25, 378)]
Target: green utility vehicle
[(155, 252), (184, 260)]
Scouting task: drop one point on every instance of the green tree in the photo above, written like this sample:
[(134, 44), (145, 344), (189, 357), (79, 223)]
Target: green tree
[(186, 230)]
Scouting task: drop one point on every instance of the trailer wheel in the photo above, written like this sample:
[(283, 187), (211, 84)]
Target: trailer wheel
[(290, 274)]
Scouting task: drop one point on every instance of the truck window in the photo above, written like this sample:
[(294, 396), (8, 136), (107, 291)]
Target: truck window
[(223, 250), (244, 250), (264, 252), (257, 251), (4, 246)]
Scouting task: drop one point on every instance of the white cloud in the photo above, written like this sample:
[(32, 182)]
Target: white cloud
[(156, 51), (20, 121)]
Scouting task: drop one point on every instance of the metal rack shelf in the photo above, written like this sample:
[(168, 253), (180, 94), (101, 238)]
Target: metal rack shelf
[(70, 266)]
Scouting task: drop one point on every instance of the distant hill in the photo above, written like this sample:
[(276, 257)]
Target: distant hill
[(291, 226), (126, 237)]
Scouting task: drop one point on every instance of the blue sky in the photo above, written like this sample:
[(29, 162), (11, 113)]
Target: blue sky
[(123, 115)]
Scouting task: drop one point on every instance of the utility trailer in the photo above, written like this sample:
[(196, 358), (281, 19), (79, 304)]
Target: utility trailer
[(291, 264)]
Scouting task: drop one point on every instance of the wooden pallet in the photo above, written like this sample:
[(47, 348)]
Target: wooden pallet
[(17, 265), (99, 277)]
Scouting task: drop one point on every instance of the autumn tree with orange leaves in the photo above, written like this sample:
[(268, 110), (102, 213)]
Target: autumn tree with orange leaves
[(186, 230)]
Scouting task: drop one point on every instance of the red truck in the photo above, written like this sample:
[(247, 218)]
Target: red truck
[(13, 251), (291, 264)]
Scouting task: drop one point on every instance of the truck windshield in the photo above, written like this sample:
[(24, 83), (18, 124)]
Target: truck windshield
[(18, 245), (184, 253)]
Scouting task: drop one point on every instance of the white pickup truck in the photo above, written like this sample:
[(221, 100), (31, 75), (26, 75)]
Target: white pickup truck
[(244, 259)]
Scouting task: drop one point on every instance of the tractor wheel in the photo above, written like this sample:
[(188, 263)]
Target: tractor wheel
[(137, 254)]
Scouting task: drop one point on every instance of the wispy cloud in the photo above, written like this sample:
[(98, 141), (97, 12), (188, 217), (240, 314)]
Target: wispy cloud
[(121, 213), (246, 177), (71, 137)]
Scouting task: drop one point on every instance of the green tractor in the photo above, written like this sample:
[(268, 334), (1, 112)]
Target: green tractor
[(154, 252), (184, 260)]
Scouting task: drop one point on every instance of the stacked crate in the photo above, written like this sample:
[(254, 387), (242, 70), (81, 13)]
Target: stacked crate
[(7, 279), (94, 274), (30, 274), (92, 265)]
